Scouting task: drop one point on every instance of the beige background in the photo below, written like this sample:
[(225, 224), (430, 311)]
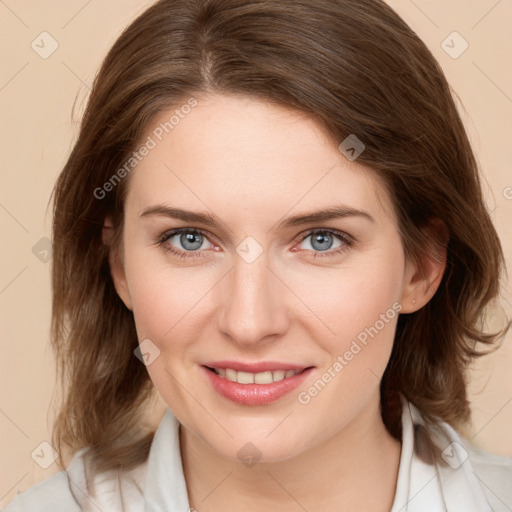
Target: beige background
[(36, 100)]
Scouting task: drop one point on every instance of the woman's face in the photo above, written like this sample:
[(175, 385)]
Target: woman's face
[(255, 285)]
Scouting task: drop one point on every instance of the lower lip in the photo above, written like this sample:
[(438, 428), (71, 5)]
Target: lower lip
[(255, 394)]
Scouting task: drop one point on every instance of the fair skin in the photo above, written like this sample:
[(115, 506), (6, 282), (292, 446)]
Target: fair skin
[(252, 165)]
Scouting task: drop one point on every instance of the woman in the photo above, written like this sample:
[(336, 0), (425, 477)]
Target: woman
[(272, 219)]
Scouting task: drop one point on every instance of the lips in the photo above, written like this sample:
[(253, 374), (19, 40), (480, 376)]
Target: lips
[(254, 383)]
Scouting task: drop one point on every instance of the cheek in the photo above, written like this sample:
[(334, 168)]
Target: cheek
[(166, 300), (355, 297), (167, 309), (361, 305), (154, 306), (363, 313)]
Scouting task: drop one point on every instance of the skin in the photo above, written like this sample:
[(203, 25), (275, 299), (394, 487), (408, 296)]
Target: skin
[(253, 164)]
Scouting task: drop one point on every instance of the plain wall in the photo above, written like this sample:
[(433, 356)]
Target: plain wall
[(36, 100)]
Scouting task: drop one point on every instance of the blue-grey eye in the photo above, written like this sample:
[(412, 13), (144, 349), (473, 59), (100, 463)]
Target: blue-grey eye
[(188, 240), (321, 240)]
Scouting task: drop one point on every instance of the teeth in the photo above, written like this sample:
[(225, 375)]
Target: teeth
[(278, 375), (263, 378), (255, 378), (245, 378), (230, 374)]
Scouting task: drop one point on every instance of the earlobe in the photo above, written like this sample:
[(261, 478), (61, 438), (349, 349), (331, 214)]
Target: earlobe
[(423, 277), (116, 264)]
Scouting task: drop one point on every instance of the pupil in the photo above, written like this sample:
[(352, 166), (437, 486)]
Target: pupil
[(193, 238), (322, 238)]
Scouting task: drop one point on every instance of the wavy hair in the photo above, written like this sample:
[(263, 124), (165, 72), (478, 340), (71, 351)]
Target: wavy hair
[(354, 66)]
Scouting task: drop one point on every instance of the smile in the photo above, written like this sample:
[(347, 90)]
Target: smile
[(254, 378), (257, 387)]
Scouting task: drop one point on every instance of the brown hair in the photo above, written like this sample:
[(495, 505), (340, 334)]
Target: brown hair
[(357, 68)]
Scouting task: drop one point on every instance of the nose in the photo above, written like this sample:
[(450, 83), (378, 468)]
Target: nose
[(252, 306)]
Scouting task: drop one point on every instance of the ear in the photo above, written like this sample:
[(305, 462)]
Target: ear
[(116, 263), (422, 278)]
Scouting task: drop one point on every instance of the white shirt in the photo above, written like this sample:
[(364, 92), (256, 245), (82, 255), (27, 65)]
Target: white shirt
[(471, 480)]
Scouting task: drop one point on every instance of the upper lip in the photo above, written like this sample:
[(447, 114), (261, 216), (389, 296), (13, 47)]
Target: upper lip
[(264, 366)]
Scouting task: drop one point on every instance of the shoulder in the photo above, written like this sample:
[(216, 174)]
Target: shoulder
[(53, 493), (77, 489), (477, 479), (491, 474), (494, 473)]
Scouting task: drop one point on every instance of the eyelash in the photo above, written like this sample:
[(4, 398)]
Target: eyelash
[(347, 240)]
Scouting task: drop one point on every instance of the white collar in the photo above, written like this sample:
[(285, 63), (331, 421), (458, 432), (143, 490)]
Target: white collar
[(437, 486)]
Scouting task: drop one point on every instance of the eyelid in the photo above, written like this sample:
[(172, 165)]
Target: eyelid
[(176, 231)]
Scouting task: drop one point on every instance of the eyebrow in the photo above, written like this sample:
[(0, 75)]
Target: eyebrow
[(211, 220)]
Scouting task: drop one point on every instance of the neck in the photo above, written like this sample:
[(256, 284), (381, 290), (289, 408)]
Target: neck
[(356, 469)]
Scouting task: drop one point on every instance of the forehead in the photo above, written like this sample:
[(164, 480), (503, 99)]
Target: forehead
[(237, 155)]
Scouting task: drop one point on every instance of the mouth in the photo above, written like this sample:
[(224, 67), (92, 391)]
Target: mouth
[(266, 383)]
